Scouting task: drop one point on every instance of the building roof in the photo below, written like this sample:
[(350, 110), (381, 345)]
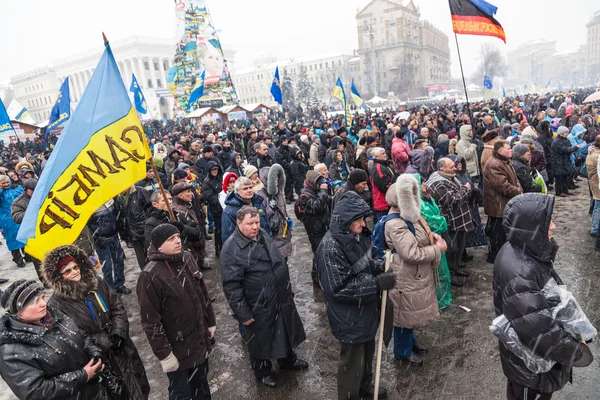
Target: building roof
[(253, 106)]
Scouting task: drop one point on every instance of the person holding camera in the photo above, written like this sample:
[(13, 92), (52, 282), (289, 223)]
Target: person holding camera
[(43, 354), (99, 314)]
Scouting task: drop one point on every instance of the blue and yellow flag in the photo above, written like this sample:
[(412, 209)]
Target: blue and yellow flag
[(338, 92), (487, 82), (356, 97), (138, 97), (101, 152), (6, 127), (61, 112), (198, 90), (276, 87)]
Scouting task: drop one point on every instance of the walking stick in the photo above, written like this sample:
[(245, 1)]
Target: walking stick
[(388, 259)]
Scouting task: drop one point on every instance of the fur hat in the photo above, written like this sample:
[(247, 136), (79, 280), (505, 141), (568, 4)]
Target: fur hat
[(65, 288), (405, 196), (274, 187), (250, 170), (19, 293), (161, 233), (179, 174)]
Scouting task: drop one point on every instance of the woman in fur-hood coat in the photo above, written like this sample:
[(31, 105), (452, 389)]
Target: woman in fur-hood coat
[(98, 312), (414, 264), (273, 199)]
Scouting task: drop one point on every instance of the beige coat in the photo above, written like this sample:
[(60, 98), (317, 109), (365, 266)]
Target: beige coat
[(591, 163), (415, 261)]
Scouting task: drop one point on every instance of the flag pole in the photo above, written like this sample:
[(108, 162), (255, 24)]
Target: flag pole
[(463, 78), (388, 259)]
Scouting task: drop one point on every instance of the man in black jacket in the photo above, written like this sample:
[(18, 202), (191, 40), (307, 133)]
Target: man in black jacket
[(192, 232), (211, 187), (256, 283), (522, 268), (312, 209), (261, 156), (351, 281), (224, 155), (202, 163), (132, 219), (283, 157)]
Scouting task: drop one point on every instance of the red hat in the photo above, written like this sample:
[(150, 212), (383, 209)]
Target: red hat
[(63, 262), (304, 130), (228, 178)]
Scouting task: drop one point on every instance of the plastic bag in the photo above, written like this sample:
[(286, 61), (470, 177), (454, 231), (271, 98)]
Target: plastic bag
[(508, 337), (566, 310)]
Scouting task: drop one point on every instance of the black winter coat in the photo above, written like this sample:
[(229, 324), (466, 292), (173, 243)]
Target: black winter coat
[(74, 299), (298, 174), (523, 267), (191, 232), (224, 158), (283, 157), (211, 187), (132, 215), (43, 364), (175, 308), (202, 167), (313, 206), (256, 282), (561, 156), (345, 269), (524, 174)]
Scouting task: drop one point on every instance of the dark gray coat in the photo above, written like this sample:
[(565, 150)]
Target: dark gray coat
[(256, 282)]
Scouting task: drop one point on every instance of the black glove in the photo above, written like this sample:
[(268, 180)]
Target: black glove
[(385, 281), (178, 225), (377, 266), (117, 341)]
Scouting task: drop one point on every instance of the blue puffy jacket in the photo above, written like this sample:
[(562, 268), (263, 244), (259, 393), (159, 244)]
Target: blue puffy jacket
[(233, 203)]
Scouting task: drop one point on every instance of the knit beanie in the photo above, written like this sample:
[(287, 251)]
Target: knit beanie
[(357, 176), (161, 233), (228, 178), (179, 174), (19, 293), (30, 183), (519, 150), (250, 170)]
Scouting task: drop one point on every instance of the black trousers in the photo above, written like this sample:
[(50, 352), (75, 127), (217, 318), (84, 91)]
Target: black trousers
[(314, 240), (17, 254), (494, 230), (262, 367), (456, 247), (289, 187), (515, 391), (140, 252), (355, 369), (217, 236), (189, 384), (562, 183)]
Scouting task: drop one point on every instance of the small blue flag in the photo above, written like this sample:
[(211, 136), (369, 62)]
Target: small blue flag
[(503, 92), (61, 112), (485, 7), (487, 83), (198, 90), (276, 87), (5, 125), (138, 97)]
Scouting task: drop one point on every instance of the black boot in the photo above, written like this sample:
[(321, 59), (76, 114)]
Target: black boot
[(370, 392), (466, 257), (414, 360), (269, 381)]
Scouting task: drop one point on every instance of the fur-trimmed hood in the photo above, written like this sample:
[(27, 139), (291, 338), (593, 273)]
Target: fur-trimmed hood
[(269, 176), (64, 288), (404, 196)]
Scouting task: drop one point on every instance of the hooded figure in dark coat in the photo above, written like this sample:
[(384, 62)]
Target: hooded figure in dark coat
[(256, 282), (522, 268), (99, 314)]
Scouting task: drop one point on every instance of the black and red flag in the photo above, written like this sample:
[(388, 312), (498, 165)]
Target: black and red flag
[(475, 17)]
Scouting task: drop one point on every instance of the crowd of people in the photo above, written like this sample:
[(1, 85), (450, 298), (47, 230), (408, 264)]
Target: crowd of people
[(422, 179)]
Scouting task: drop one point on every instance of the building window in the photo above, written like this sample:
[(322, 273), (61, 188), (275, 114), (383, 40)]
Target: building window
[(321, 66), (340, 63), (310, 67), (150, 83), (166, 65), (158, 83), (146, 66), (155, 66), (326, 65)]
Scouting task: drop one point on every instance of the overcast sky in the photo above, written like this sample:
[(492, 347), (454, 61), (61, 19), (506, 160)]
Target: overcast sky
[(35, 32)]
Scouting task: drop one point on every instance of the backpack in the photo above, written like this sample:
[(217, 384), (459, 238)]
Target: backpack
[(378, 234), (298, 210)]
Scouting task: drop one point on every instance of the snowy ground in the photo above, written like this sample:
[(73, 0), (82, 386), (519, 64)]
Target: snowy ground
[(463, 361)]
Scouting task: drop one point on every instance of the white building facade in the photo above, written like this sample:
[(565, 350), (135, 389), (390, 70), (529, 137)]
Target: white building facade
[(148, 58), (253, 84)]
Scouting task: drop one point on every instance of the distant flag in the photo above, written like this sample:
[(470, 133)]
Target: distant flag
[(17, 112), (487, 82), (198, 90), (138, 97), (356, 97), (61, 112), (548, 85), (101, 152), (338, 92), (475, 17), (5, 125), (276, 87), (503, 92), (348, 115)]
